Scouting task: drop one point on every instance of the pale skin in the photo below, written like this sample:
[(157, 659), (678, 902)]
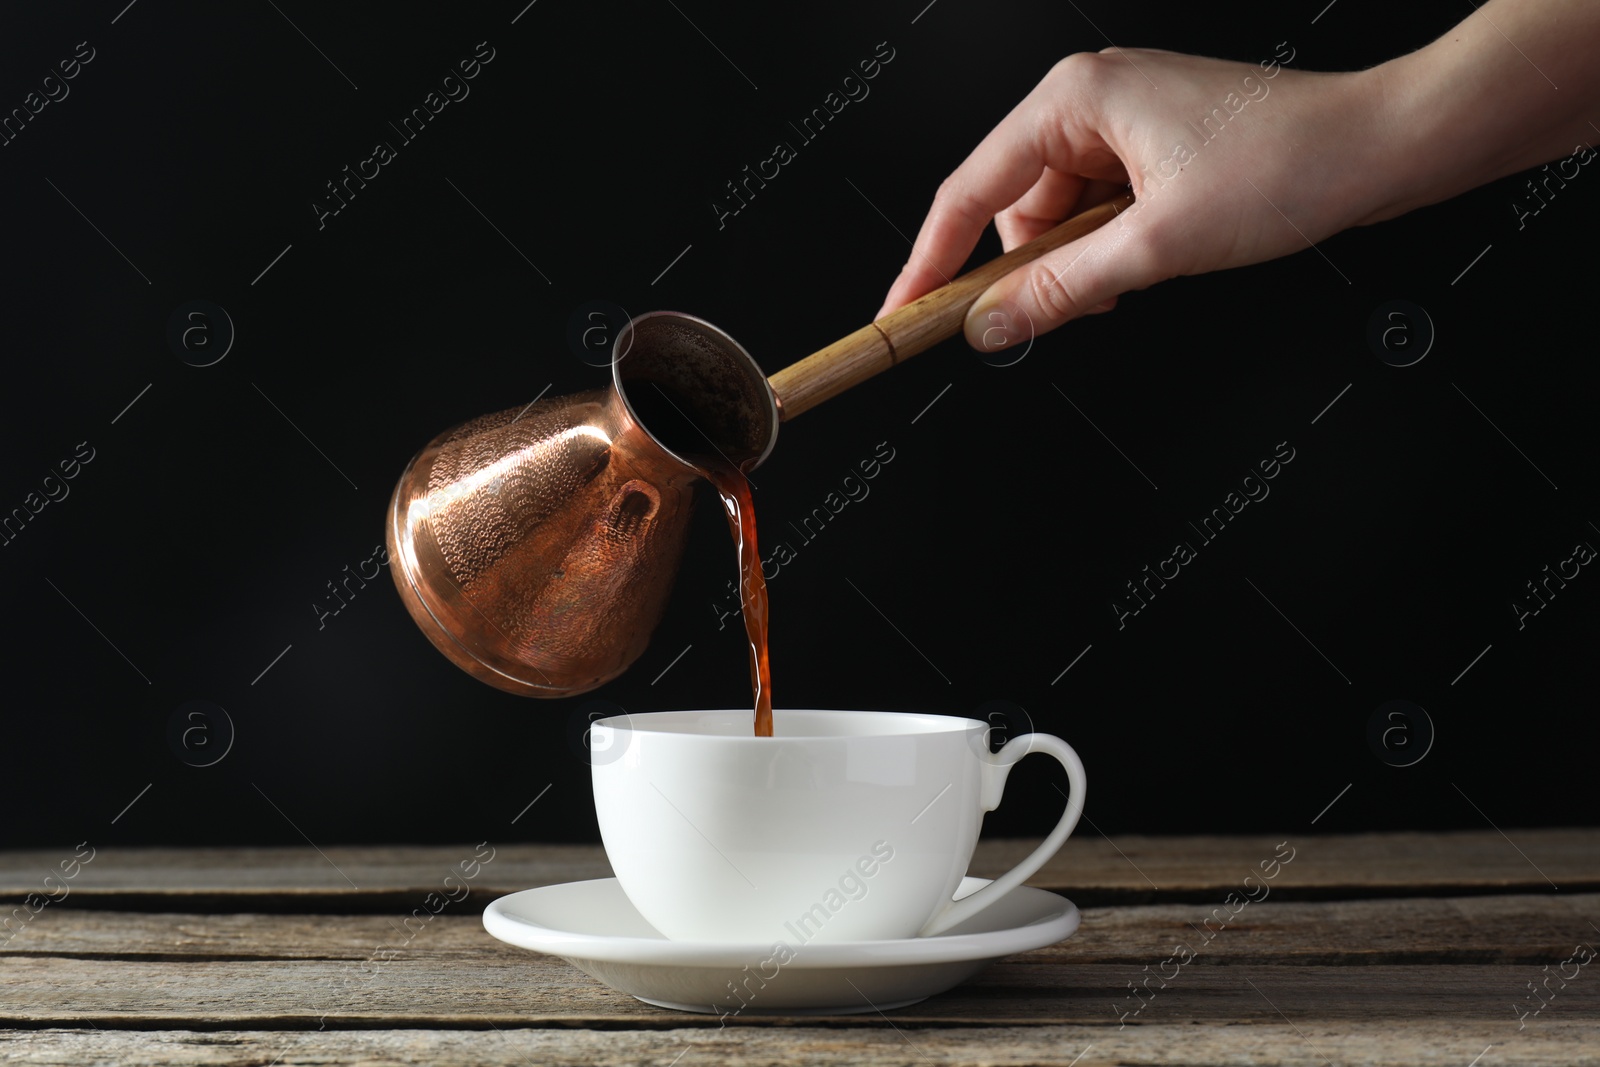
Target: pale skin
[(1293, 157)]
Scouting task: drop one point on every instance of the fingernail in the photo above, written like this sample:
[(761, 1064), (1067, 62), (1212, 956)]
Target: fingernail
[(995, 324), (1104, 305)]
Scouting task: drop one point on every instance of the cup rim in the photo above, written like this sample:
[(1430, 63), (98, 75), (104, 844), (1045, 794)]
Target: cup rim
[(932, 724)]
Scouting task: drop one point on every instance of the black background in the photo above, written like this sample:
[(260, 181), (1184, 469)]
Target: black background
[(195, 544)]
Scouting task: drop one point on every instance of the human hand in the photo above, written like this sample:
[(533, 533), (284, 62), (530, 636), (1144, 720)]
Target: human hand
[(1231, 164)]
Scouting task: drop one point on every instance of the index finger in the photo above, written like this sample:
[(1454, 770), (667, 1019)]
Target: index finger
[(1039, 132)]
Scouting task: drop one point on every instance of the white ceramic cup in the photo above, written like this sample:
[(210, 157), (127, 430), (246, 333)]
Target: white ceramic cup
[(843, 826)]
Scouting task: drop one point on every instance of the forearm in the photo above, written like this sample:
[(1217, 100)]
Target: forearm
[(1516, 84)]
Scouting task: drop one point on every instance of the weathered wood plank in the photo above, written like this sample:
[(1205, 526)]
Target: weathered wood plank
[(1418, 1042), (1451, 930), (1091, 869), (530, 990), (1497, 929), (1434, 974)]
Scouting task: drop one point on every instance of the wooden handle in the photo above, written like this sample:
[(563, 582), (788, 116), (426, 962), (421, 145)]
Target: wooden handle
[(919, 325)]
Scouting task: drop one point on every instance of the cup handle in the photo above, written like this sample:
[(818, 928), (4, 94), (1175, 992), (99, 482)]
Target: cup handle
[(996, 768)]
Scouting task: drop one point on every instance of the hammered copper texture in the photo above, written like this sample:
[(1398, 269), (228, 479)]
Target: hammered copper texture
[(536, 546)]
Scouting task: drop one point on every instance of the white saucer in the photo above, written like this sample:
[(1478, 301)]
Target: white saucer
[(593, 926)]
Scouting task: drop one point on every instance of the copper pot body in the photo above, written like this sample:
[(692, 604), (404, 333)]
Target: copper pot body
[(536, 547)]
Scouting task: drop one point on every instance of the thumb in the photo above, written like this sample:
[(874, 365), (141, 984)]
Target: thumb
[(1073, 280)]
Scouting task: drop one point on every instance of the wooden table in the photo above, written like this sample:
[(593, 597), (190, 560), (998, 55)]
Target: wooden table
[(1401, 948)]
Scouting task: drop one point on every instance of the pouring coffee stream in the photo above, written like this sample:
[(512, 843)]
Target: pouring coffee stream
[(536, 546), (734, 488)]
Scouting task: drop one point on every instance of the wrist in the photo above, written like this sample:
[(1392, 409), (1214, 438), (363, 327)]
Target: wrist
[(1463, 111), (1387, 171)]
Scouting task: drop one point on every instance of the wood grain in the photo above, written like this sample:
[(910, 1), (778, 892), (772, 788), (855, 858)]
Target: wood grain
[(919, 325), (1093, 870), (531, 990), (1359, 960), (1369, 949), (1523, 929), (1417, 1042)]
